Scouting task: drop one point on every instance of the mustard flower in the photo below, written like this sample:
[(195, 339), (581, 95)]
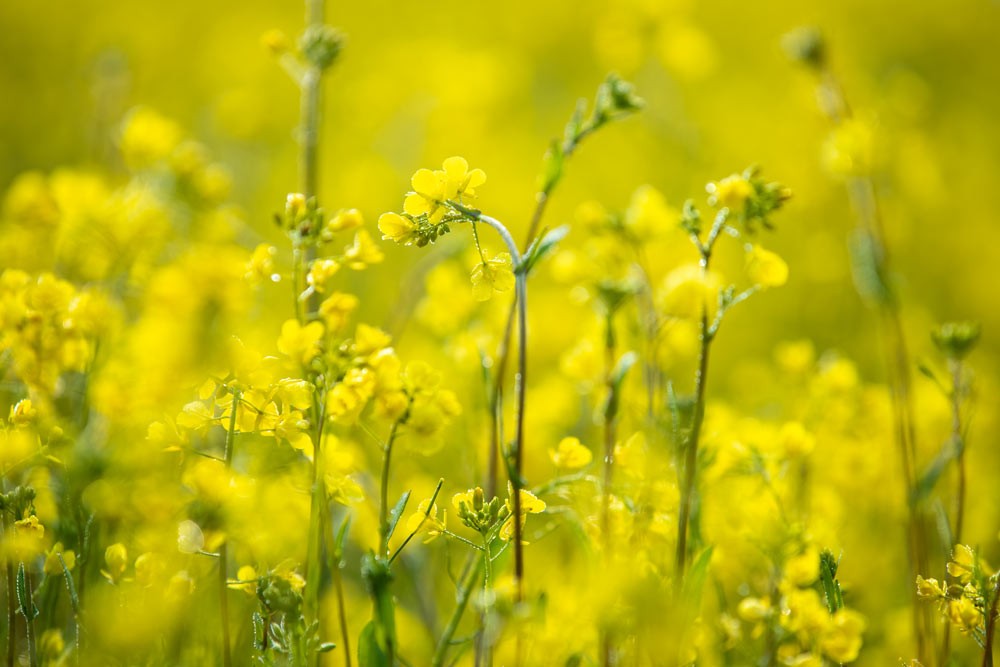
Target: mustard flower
[(432, 188), (765, 268), (571, 454), (492, 275), (301, 343)]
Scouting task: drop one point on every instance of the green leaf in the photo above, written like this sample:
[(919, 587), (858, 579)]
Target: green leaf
[(341, 537), (74, 600), (395, 514), (25, 603), (541, 247), (370, 652), (694, 582), (552, 168), (828, 579), (925, 484)]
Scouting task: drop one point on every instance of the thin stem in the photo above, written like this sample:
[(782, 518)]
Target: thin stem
[(383, 506), (958, 441), (345, 636), (861, 192), (29, 625), (11, 607), (609, 429), (223, 576), (991, 622), (461, 602), (706, 335), (520, 380)]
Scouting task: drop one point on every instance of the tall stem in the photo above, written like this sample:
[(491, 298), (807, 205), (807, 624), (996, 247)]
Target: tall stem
[(706, 334), (991, 623), (464, 593), (861, 192), (223, 577), (345, 637), (29, 625), (383, 505), (11, 606)]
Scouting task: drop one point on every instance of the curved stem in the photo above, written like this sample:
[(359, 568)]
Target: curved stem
[(516, 475)]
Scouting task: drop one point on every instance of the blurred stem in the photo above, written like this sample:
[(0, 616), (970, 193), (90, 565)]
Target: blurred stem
[(607, 648), (955, 367), (29, 625), (706, 335), (223, 579), (345, 637), (991, 623), (609, 428), (11, 604), (468, 584), (383, 504), (861, 192)]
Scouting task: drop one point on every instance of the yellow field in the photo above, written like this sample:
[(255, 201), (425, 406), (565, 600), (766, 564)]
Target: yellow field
[(525, 333)]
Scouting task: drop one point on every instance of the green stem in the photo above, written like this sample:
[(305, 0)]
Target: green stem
[(11, 606), (223, 576), (462, 601), (29, 625), (706, 335), (383, 506), (345, 640), (991, 622), (861, 193)]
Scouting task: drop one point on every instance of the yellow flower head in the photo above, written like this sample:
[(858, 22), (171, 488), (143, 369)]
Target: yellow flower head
[(301, 343), (731, 192), (432, 188), (765, 268), (346, 219), (571, 454), (116, 560), (493, 275), (688, 292), (398, 228), (427, 521)]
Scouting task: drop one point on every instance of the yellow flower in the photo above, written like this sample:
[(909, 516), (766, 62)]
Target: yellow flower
[(432, 188), (794, 440), (293, 428), (530, 504), (261, 265), (190, 538), (427, 522), (116, 560), (337, 309), (149, 569), (493, 275), (398, 228), (929, 588), (731, 192), (363, 251), (246, 580), (753, 609), (963, 564), (148, 138), (570, 454), (346, 219), (841, 640), (301, 343), (688, 292), (369, 339), (52, 565), (802, 570), (320, 273), (765, 268), (343, 489), (964, 614), (28, 535), (23, 413)]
